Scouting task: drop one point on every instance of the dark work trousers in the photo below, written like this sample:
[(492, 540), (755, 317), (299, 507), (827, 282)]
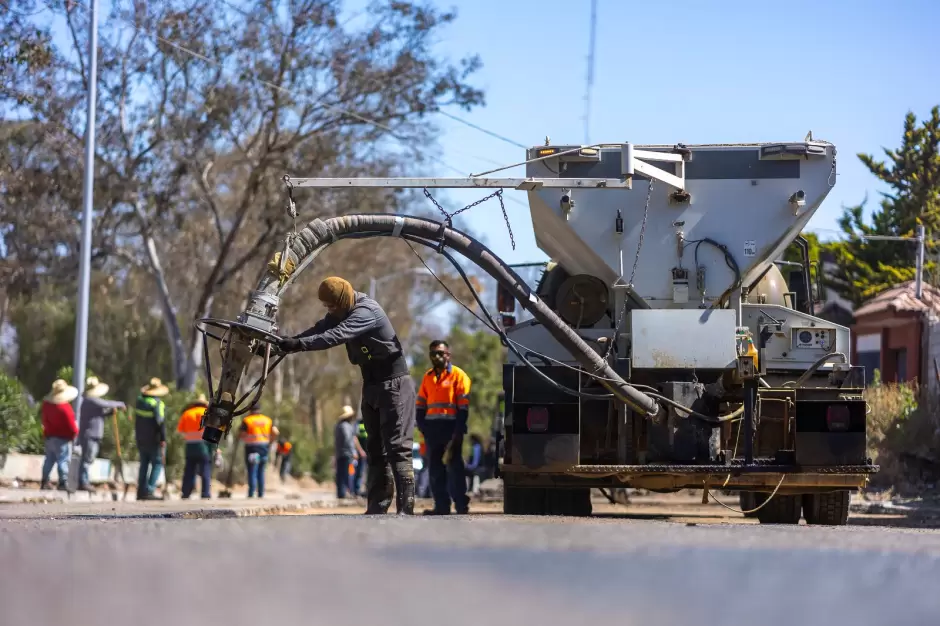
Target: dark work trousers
[(198, 463), (342, 476), (388, 412), (151, 463), (447, 482), (285, 465)]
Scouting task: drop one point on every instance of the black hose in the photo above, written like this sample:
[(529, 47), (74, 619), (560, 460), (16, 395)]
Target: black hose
[(490, 322), (319, 233)]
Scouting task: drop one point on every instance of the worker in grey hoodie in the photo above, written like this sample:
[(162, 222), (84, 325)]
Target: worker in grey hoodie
[(91, 424)]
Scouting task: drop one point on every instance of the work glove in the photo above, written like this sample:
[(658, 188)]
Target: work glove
[(289, 344)]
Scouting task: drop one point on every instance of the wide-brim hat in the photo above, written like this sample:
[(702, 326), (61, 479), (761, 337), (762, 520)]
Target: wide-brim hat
[(348, 411), (94, 388), (199, 401), (155, 388), (62, 392)]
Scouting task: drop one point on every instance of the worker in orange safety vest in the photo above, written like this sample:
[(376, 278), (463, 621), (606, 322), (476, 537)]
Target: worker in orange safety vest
[(284, 449), (256, 432), (198, 454), (442, 407)]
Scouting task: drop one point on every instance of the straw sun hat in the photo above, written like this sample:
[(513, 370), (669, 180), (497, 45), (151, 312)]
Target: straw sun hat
[(62, 392), (94, 388), (155, 388)]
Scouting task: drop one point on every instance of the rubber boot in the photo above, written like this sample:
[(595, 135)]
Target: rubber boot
[(404, 488), (379, 487)]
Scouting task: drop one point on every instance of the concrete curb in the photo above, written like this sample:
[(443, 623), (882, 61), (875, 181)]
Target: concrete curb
[(913, 509), (250, 511), (31, 511)]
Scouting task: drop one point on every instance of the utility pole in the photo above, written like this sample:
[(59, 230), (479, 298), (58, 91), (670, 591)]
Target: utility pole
[(921, 239), (84, 273), (919, 285)]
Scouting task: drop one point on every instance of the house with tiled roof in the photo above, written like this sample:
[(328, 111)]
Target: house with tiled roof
[(899, 334)]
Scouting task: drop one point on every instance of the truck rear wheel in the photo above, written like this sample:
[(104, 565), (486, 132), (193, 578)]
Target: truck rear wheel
[(827, 509), (780, 510), (544, 501)]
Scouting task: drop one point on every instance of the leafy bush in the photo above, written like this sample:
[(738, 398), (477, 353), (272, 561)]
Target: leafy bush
[(890, 407), (903, 438), (17, 418)]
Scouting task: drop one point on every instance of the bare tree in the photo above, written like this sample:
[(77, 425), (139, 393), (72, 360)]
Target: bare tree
[(202, 110)]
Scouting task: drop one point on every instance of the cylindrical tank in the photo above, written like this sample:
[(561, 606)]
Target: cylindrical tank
[(770, 289)]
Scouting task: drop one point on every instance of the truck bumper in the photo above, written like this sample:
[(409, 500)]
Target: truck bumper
[(792, 479)]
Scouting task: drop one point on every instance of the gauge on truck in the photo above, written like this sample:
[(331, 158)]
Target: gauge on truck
[(813, 338)]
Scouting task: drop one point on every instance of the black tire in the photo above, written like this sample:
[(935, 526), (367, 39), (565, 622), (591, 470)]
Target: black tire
[(827, 509), (523, 501), (748, 502), (570, 502), (541, 501), (780, 509)]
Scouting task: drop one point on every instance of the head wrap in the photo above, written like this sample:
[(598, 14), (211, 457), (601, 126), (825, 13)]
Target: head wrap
[(337, 292)]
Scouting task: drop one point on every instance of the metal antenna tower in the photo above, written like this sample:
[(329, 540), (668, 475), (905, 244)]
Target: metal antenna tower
[(590, 75)]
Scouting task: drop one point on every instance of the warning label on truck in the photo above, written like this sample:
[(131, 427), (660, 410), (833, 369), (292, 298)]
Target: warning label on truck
[(750, 248)]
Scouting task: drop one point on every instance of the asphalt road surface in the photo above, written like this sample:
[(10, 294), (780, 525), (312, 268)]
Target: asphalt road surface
[(352, 570)]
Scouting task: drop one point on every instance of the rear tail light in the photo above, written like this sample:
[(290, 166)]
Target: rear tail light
[(536, 419), (837, 417)]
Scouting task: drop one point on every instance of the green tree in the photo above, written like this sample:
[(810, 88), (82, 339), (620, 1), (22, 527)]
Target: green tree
[(794, 254), (481, 355), (912, 172), (16, 417)]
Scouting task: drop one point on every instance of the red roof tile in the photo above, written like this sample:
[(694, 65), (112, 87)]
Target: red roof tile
[(902, 299)]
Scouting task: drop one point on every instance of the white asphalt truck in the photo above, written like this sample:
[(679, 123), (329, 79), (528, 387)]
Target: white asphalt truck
[(665, 349), (675, 283)]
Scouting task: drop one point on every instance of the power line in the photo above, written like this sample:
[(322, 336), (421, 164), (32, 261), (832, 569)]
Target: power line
[(483, 130)]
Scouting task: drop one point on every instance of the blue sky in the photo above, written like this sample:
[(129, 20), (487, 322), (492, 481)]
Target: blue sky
[(691, 72)]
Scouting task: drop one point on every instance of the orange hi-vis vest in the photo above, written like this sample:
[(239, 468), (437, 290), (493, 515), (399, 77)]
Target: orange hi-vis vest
[(257, 429), (443, 395), (285, 447), (189, 424)]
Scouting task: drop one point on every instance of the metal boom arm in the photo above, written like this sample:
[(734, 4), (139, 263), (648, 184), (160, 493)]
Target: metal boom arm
[(631, 161)]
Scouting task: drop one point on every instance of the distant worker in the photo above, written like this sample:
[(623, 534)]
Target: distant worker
[(285, 450), (91, 425), (150, 432), (443, 407), (422, 478), (346, 451), (199, 453), (59, 430), (475, 464), (388, 392), (256, 431), (361, 466)]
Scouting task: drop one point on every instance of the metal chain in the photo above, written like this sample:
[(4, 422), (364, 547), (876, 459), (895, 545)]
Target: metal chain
[(448, 217), (623, 307), (291, 207), (639, 245)]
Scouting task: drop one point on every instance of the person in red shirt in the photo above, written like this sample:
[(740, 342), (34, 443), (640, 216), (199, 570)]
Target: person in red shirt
[(59, 429)]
